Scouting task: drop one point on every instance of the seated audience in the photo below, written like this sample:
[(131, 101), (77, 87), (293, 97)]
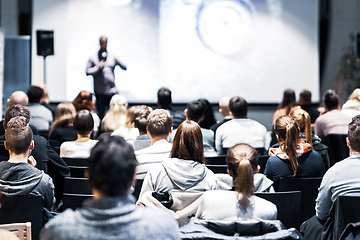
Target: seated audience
[(294, 157), (305, 104), (195, 111), (332, 121), (129, 132), (141, 114), (225, 111), (18, 175), (84, 100), (352, 106), (240, 129), (239, 204), (111, 213), (41, 117), (303, 120), (185, 171), (165, 101), (234, 156), (45, 100), (209, 118), (62, 129), (159, 127), (81, 147), (116, 116)]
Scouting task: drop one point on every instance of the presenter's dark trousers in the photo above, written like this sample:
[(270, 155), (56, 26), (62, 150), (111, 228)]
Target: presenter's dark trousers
[(102, 103)]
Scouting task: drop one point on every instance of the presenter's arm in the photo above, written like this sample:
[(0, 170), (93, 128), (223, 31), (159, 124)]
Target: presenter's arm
[(92, 68), (123, 67)]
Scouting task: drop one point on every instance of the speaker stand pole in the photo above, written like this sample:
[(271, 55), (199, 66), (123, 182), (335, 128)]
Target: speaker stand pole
[(44, 69)]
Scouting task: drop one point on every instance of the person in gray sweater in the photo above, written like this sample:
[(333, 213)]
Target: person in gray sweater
[(111, 213)]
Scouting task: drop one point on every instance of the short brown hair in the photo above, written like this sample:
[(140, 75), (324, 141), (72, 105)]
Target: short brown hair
[(159, 122), (141, 114), (18, 135), (188, 142), (354, 133)]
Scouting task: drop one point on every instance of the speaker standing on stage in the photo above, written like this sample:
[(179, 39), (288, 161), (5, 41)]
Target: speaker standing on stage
[(101, 67)]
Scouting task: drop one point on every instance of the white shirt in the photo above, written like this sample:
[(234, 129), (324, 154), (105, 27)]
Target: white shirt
[(73, 149)]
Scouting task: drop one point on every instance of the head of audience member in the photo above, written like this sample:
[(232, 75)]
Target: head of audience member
[(188, 142), (238, 107), (288, 101), (84, 100), (355, 95), (116, 116), (83, 123), (305, 98), (64, 116), (112, 164), (18, 97), (130, 117), (18, 136), (103, 43), (159, 125), (331, 100), (303, 120), (164, 98), (35, 94), (353, 139), (141, 114), (195, 111), (45, 98), (287, 131), (242, 161), (224, 106), (15, 111), (209, 118)]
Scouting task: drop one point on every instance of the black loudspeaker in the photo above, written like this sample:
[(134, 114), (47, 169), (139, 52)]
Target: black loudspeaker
[(45, 42), (357, 44)]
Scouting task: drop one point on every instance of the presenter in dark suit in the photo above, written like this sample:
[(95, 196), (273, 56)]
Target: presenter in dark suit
[(101, 66)]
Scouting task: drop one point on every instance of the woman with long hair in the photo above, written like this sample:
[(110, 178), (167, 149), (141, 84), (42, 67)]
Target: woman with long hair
[(209, 117), (62, 128), (240, 202), (303, 119), (116, 116), (294, 157), (185, 170), (128, 131)]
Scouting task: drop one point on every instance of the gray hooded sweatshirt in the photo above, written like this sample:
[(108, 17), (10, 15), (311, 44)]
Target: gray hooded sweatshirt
[(22, 179)]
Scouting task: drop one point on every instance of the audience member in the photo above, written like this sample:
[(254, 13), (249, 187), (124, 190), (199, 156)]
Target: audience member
[(185, 171), (159, 127), (225, 111), (294, 157), (45, 100), (195, 111), (141, 114), (84, 100), (332, 121), (116, 116), (238, 204), (111, 213), (234, 156), (47, 159), (62, 129), (305, 104), (287, 103), (209, 119), (18, 175), (352, 106), (165, 102), (303, 120), (129, 132), (41, 117), (240, 129), (81, 147)]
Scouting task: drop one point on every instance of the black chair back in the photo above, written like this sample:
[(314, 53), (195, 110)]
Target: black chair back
[(77, 171), (74, 201), (23, 209), (309, 189), (217, 164), (288, 205), (137, 188), (77, 186), (262, 162), (338, 149), (75, 161)]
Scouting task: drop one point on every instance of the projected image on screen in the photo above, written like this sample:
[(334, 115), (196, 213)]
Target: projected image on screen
[(202, 48)]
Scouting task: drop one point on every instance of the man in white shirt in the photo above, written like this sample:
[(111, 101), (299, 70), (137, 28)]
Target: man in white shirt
[(159, 126)]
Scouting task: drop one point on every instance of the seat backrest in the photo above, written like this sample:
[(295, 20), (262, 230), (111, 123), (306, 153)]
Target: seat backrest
[(21, 230), (75, 161), (216, 160), (74, 201), (288, 205), (23, 209), (309, 191), (137, 188), (77, 185), (77, 171), (262, 162), (338, 149)]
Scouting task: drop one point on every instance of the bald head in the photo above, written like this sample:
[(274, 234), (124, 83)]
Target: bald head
[(18, 97), (224, 106)]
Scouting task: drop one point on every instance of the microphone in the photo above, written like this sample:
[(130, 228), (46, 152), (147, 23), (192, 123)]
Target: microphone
[(103, 56)]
